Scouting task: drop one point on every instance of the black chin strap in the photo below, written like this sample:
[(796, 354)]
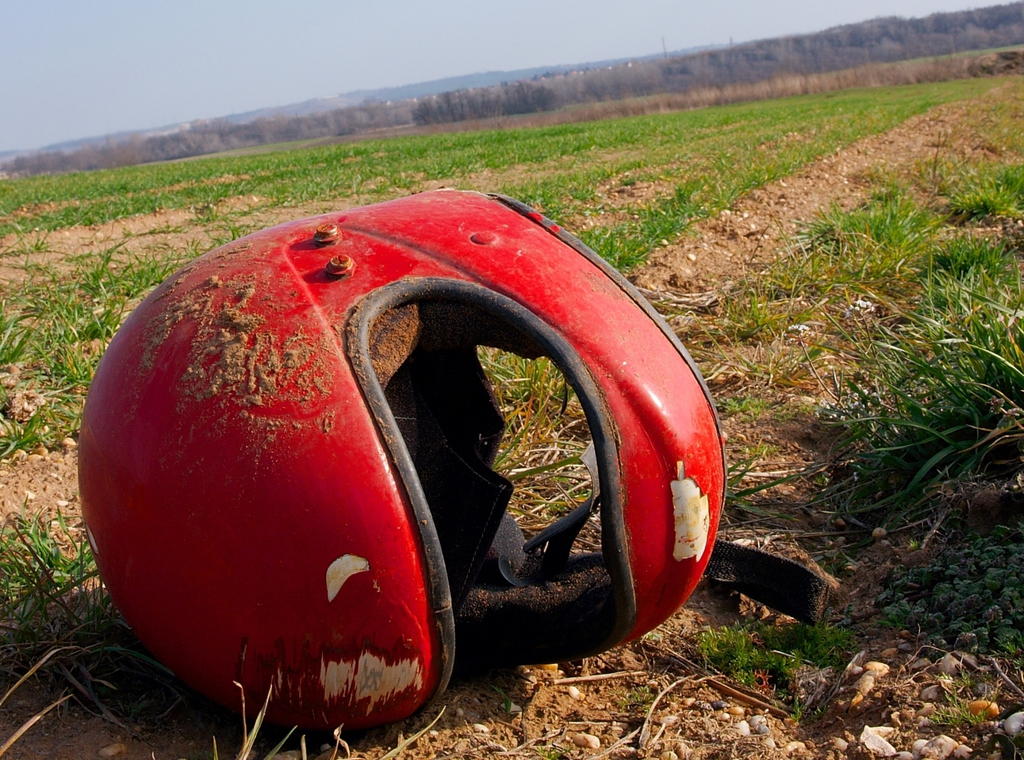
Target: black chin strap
[(782, 584)]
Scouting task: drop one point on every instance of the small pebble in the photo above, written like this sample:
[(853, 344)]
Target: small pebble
[(920, 663), (689, 701), (1014, 724), (878, 668), (770, 743), (112, 750), (905, 756), (719, 704), (932, 693), (669, 755), (323, 747), (873, 737), (865, 684), (926, 711), (575, 693), (840, 743), (937, 748), (669, 720), (795, 747), (982, 689), (949, 665), (839, 523), (856, 670), (890, 652), (983, 707), (879, 533), (586, 741), (743, 728), (737, 711), (480, 728)]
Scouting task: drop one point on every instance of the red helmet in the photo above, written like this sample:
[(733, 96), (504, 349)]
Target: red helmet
[(285, 460)]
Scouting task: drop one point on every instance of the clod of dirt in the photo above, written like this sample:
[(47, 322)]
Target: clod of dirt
[(991, 507)]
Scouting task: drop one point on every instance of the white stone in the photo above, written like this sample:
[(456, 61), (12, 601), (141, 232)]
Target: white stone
[(938, 748), (480, 728), (872, 737), (575, 693), (840, 743), (586, 741), (1014, 724), (743, 728)]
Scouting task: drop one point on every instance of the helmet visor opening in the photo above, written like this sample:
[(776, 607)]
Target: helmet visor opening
[(515, 599)]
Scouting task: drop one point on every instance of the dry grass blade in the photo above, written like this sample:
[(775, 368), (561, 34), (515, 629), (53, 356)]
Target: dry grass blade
[(599, 677), (703, 302), (406, 742), (645, 731), (86, 691), (32, 671), (29, 723)]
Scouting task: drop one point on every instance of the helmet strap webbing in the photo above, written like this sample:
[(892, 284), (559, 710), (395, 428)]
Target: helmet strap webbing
[(777, 582)]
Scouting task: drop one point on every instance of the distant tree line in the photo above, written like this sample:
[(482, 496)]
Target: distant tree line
[(484, 103), (215, 136), (842, 48)]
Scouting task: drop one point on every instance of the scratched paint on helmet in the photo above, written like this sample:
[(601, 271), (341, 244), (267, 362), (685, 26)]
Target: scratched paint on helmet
[(370, 678), (691, 515)]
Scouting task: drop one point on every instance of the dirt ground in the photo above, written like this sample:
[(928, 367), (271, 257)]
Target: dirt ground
[(603, 700)]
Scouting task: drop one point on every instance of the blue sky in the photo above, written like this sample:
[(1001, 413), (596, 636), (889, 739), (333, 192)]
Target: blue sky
[(79, 69)]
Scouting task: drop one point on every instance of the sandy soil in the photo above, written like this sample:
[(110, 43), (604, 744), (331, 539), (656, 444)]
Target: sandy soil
[(690, 720)]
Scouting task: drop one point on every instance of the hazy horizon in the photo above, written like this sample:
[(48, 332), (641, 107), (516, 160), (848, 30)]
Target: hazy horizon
[(74, 72)]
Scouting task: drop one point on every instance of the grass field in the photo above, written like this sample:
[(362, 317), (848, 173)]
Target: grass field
[(911, 303)]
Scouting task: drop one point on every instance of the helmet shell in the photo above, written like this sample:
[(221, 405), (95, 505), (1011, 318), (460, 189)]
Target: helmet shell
[(248, 511)]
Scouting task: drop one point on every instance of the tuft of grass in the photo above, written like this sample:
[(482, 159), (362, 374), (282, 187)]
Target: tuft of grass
[(969, 256), (765, 656), (942, 391), (546, 432), (59, 622), (991, 192), (883, 235)]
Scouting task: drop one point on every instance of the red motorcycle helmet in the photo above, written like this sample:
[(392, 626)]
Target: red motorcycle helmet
[(285, 460)]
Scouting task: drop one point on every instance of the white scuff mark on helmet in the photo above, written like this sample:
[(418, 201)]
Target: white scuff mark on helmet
[(341, 570), (691, 515), (92, 541), (371, 677)]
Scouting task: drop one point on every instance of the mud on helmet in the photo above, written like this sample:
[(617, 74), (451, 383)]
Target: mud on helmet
[(286, 460)]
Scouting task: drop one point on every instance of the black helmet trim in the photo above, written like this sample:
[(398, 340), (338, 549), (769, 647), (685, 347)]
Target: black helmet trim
[(506, 325)]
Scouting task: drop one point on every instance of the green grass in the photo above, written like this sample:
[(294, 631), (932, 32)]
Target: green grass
[(721, 152), (767, 657), (993, 191)]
